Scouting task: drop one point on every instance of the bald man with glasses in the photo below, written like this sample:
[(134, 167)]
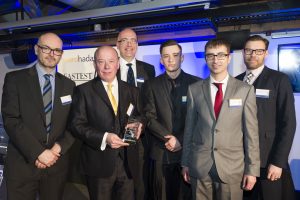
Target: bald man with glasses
[(35, 108)]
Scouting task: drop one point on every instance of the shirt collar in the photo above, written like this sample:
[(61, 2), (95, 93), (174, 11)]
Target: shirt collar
[(41, 71), (224, 81), (256, 72), (123, 62), (114, 82)]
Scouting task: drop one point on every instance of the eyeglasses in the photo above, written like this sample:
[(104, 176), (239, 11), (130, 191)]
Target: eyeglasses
[(219, 56), (126, 41), (47, 50), (256, 51)]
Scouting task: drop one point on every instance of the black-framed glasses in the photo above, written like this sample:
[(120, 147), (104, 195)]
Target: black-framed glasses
[(256, 51), (126, 41), (219, 56), (47, 50)]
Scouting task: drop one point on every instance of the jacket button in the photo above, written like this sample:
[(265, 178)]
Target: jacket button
[(215, 149)]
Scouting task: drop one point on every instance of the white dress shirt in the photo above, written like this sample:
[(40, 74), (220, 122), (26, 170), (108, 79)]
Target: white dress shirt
[(124, 69)]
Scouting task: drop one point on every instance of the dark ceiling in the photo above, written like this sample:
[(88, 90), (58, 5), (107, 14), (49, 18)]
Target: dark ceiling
[(191, 15)]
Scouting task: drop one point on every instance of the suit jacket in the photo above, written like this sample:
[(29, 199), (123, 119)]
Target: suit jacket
[(276, 117), (92, 115), (160, 113), (24, 122), (231, 142)]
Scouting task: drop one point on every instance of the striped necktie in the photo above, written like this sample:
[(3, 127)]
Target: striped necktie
[(249, 78), (112, 98), (130, 75), (47, 99)]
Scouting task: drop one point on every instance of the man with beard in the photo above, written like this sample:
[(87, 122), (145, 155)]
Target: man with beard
[(165, 109), (35, 108), (276, 122)]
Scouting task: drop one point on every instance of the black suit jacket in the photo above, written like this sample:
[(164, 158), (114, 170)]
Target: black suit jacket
[(24, 122), (92, 115), (159, 111), (276, 117)]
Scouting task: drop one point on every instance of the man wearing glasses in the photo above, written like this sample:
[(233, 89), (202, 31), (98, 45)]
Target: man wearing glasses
[(135, 72), (35, 108), (276, 122), (220, 145)]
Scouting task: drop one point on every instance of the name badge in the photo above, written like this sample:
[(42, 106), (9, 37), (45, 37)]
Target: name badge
[(66, 99), (140, 80), (262, 93), (183, 99), (130, 109), (235, 102)]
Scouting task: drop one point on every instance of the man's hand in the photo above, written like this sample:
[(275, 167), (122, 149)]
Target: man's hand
[(56, 149), (40, 165), (48, 158), (172, 144), (137, 127), (248, 182), (186, 175), (114, 141), (274, 172)]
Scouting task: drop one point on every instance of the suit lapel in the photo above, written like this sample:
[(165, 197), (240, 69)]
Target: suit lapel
[(140, 73), (207, 95), (123, 101), (230, 90), (59, 87), (165, 91), (261, 78), (101, 92), (35, 90)]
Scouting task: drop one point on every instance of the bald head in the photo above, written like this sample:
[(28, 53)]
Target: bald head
[(127, 44), (49, 51), (106, 63)]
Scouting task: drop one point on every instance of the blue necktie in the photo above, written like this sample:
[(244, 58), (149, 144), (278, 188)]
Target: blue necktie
[(130, 75), (47, 99)]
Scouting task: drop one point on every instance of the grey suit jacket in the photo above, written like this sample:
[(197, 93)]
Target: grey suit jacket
[(231, 141)]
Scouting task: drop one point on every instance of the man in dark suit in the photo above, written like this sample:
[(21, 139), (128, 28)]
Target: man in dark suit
[(220, 150), (35, 108), (136, 72), (165, 109), (99, 115), (276, 121)]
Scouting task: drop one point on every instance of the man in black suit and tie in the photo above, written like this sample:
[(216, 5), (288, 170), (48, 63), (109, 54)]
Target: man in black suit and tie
[(136, 72), (99, 115), (165, 109), (35, 108), (276, 121)]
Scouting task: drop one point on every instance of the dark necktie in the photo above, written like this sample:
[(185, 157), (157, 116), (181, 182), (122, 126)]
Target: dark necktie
[(218, 99), (130, 75), (249, 78), (47, 99)]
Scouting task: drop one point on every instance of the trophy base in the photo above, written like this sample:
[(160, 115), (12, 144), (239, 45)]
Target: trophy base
[(129, 141)]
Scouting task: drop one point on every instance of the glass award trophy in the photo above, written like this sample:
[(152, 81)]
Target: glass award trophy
[(131, 128)]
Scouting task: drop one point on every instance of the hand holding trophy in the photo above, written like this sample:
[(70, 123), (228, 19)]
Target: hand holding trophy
[(133, 128)]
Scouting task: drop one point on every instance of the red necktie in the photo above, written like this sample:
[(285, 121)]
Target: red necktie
[(218, 99)]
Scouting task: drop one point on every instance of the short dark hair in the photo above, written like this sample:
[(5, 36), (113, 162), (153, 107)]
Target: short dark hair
[(217, 42), (257, 38), (169, 43)]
